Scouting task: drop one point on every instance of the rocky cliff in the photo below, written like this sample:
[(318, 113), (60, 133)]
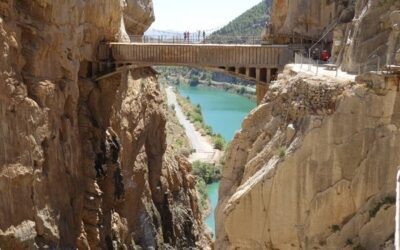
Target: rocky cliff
[(371, 38), (361, 33), (84, 164), (314, 167), (305, 17)]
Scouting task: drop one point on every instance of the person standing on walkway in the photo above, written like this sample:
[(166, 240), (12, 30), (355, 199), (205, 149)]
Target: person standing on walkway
[(204, 36)]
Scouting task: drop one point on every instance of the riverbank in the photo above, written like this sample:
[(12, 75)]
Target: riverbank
[(204, 156), (197, 78), (203, 148), (241, 90), (224, 113), (194, 114)]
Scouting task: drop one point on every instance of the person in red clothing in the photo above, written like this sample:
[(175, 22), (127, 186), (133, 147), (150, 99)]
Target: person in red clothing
[(324, 55)]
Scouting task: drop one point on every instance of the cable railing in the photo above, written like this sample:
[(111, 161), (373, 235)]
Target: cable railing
[(302, 60), (328, 30), (393, 65), (373, 63), (196, 39)]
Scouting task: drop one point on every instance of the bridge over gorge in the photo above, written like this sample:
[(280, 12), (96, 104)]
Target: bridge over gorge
[(257, 63)]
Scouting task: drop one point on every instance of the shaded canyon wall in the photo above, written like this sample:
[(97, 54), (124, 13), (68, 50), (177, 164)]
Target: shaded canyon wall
[(83, 164)]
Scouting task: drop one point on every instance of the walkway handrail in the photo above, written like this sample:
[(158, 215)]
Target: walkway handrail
[(196, 39), (329, 29), (363, 67)]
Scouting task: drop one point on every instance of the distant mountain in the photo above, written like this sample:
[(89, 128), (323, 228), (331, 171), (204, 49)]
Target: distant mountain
[(250, 23)]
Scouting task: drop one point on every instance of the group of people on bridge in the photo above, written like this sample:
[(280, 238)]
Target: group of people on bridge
[(187, 36)]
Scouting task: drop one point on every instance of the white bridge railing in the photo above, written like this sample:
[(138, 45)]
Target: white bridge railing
[(197, 39)]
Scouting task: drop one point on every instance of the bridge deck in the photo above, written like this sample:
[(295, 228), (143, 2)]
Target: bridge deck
[(199, 55), (257, 63)]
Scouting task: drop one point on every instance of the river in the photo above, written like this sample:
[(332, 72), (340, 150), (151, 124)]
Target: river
[(224, 112)]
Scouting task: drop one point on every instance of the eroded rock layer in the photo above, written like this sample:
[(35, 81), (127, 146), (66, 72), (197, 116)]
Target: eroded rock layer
[(83, 164), (371, 39)]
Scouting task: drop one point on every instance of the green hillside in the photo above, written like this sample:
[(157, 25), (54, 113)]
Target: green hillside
[(249, 23)]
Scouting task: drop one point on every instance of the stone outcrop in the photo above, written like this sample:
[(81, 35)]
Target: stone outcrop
[(314, 167), (301, 17), (137, 15), (371, 38), (83, 164)]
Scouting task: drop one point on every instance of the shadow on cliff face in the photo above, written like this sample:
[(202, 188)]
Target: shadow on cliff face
[(128, 169), (81, 163), (347, 10)]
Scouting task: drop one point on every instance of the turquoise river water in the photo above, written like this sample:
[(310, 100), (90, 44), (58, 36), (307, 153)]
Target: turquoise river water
[(224, 112)]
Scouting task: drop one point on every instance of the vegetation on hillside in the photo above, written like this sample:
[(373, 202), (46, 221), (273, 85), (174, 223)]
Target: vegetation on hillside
[(195, 77), (203, 202), (205, 173), (177, 140), (250, 23)]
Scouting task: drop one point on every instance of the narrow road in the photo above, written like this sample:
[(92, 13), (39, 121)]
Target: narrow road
[(204, 149)]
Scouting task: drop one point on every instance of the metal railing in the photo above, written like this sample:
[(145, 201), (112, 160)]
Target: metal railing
[(373, 63), (196, 39), (327, 32), (299, 58), (392, 63)]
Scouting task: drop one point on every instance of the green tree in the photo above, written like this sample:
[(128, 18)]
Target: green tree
[(194, 81), (219, 142)]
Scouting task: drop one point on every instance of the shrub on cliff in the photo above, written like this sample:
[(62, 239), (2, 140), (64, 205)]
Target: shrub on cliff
[(219, 142), (206, 171), (201, 187)]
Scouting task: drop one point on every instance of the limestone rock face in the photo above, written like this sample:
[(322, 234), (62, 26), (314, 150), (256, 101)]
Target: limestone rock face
[(371, 38), (306, 17), (314, 167), (138, 15), (364, 33), (82, 164)]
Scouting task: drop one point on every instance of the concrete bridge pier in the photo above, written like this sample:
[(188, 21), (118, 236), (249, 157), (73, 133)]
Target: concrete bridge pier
[(263, 78)]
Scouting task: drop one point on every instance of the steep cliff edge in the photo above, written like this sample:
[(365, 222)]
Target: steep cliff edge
[(82, 164), (314, 167)]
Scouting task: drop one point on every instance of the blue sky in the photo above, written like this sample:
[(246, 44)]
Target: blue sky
[(180, 15)]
